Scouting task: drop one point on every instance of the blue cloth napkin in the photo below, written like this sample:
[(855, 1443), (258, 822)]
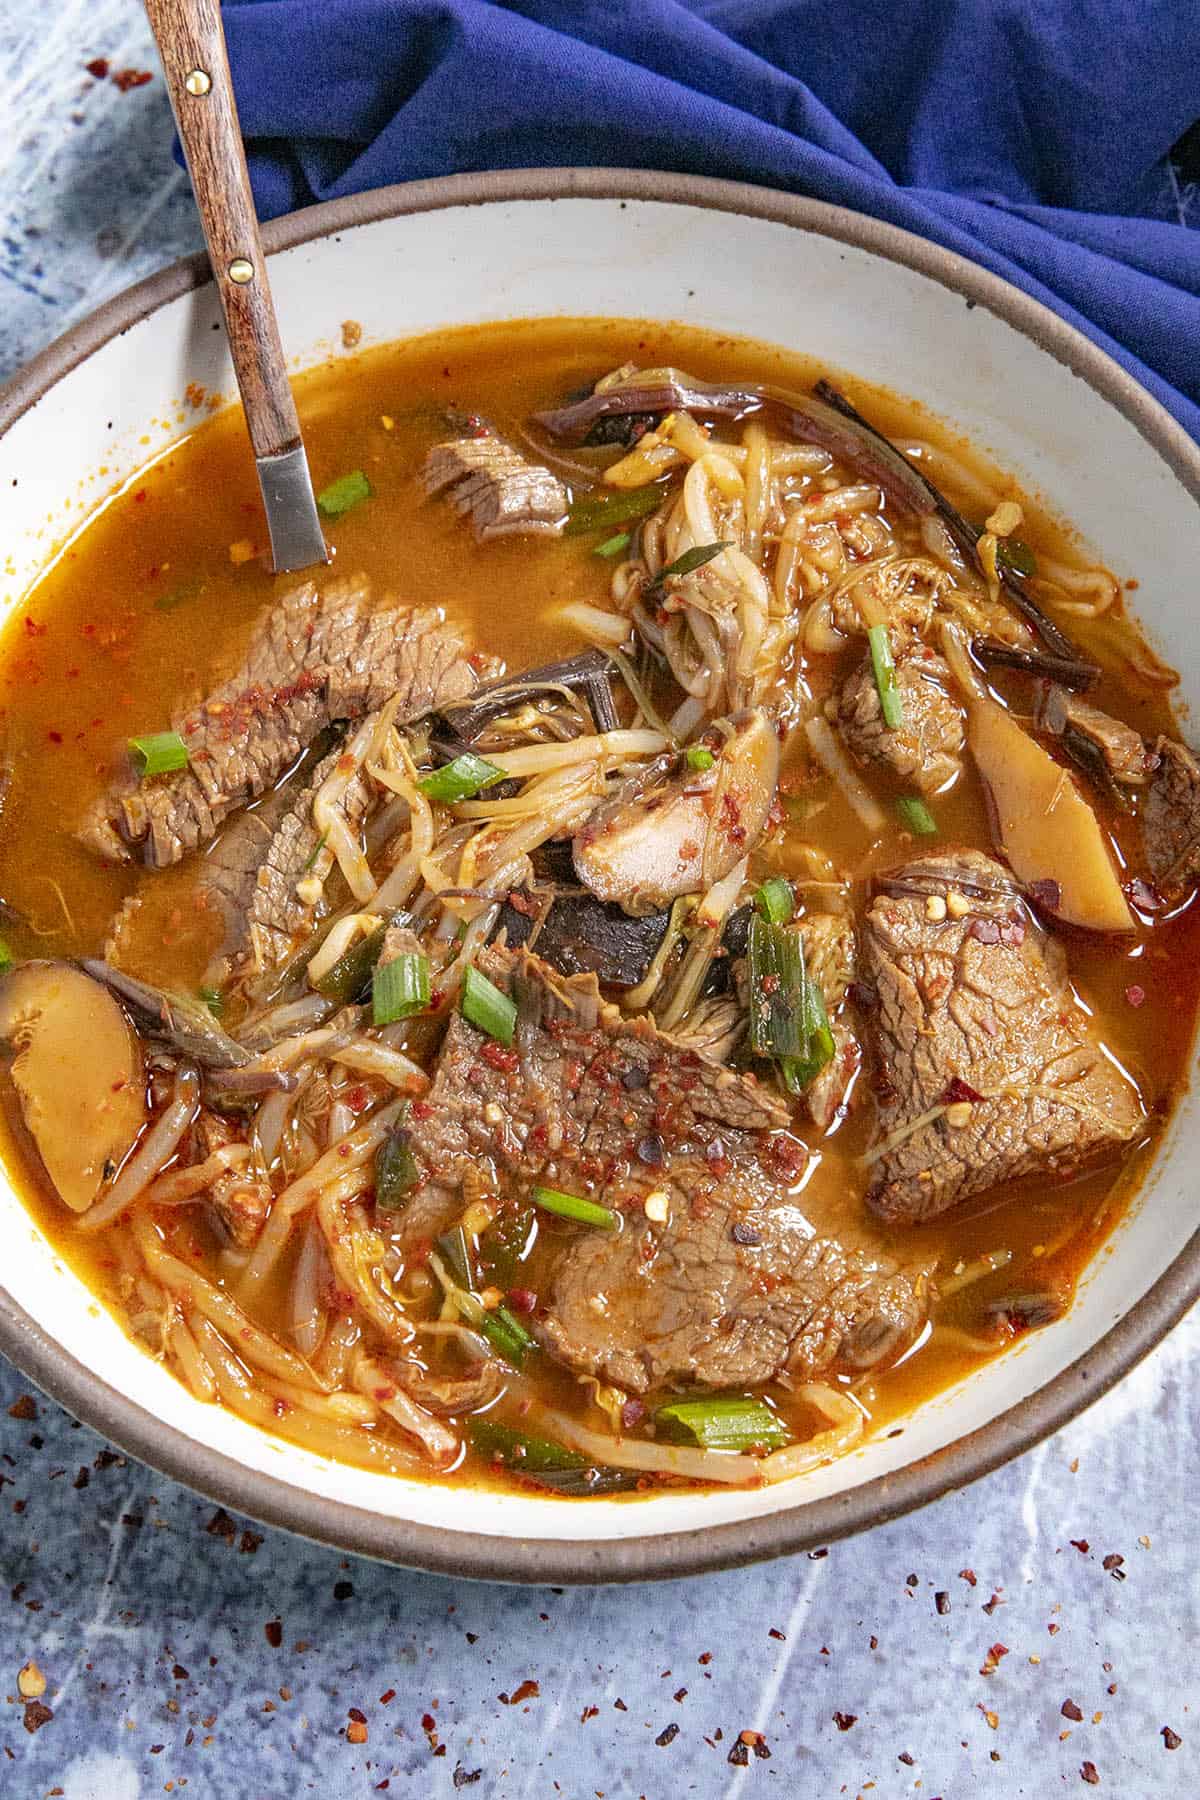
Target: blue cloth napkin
[(1030, 135)]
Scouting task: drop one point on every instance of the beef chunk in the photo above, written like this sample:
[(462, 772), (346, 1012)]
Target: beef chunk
[(319, 655), (1170, 816), (977, 1025), (500, 491), (1113, 753), (926, 748), (734, 1287)]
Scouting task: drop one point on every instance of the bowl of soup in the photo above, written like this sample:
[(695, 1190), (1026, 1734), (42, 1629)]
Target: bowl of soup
[(641, 1017)]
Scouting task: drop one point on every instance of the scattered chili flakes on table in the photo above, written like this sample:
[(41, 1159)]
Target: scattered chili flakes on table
[(1171, 1739), (126, 79), (1088, 1772), (844, 1721)]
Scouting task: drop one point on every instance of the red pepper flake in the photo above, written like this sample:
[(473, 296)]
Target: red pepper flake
[(739, 1756), (941, 1601), (1070, 1710), (1134, 994), (528, 1690), (37, 1714), (522, 1300), (993, 1718), (32, 628), (1113, 1565), (1047, 894), (908, 1760), (667, 1735), (779, 1636), (991, 1661), (1171, 1739), (23, 1407), (1080, 1544), (56, 737), (273, 1631), (1088, 1772), (705, 1659), (957, 1090), (97, 68), (844, 1721), (125, 79), (989, 1606), (356, 1731), (619, 1706)]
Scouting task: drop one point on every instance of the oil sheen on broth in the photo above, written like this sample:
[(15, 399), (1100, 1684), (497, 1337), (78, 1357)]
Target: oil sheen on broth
[(155, 603)]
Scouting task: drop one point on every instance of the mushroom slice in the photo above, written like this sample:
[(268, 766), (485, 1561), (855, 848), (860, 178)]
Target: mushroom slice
[(686, 831), (77, 1069)]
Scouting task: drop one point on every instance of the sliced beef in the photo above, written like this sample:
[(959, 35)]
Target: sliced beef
[(256, 868), (239, 1202), (500, 491), (926, 749), (319, 655), (1170, 816), (989, 1066), (734, 1288), (1113, 753)]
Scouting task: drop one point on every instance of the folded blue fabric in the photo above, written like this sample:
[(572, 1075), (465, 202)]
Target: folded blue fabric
[(1030, 135)]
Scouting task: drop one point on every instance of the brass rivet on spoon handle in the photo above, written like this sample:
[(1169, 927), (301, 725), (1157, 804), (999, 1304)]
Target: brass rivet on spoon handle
[(191, 43)]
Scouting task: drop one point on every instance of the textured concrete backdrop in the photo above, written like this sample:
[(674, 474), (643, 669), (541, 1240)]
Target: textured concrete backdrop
[(187, 1652)]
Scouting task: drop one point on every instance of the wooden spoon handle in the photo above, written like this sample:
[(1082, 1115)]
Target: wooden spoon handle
[(191, 43)]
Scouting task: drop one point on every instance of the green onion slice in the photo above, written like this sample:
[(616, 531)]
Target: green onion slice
[(400, 988), (506, 1334), (459, 780), (214, 999), (719, 1423), (891, 704), (612, 546), (485, 1007), (776, 900), (456, 1253), (698, 757), (1015, 555), (350, 976), (6, 956), (315, 852), (346, 492), (519, 1449), (571, 1206), (614, 506), (692, 559), (396, 1172), (159, 752), (915, 816), (788, 1021)]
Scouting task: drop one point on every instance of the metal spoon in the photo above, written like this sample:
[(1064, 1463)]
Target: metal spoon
[(191, 43)]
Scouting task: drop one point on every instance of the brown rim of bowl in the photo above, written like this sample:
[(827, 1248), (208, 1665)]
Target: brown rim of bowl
[(480, 1555)]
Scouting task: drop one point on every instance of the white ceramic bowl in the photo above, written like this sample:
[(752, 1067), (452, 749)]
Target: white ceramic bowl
[(1022, 385)]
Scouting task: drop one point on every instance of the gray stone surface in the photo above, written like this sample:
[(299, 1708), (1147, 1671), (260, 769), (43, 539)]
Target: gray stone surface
[(155, 1623)]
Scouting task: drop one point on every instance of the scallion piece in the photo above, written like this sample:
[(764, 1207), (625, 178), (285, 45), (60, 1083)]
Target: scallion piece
[(485, 1007), (347, 491), (456, 1253), (612, 546), (699, 758), (519, 1449), (400, 988), (915, 816), (1016, 556), (571, 1206), (315, 852), (159, 752), (214, 999), (719, 1423), (459, 780), (692, 559), (891, 704), (349, 977), (776, 901), (788, 1021), (396, 1172), (594, 511), (506, 1334), (6, 956)]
